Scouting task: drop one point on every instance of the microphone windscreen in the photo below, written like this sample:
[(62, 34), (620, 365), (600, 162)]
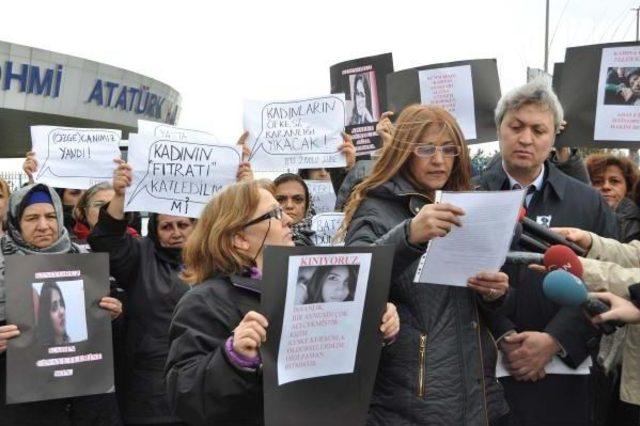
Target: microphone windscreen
[(564, 288), (562, 257), (522, 213)]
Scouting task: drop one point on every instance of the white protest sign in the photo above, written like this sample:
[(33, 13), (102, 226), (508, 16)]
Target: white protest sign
[(177, 178), (452, 89), (322, 195), (72, 157), (325, 226), (322, 315), (176, 134), (300, 134), (618, 104)]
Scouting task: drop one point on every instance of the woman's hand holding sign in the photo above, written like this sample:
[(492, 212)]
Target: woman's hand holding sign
[(390, 322), (122, 177), (113, 305), (30, 165), (349, 150), (249, 335), (7, 332)]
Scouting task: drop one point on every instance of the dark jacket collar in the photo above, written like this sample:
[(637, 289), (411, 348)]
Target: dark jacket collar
[(399, 187), (246, 283), (495, 179)]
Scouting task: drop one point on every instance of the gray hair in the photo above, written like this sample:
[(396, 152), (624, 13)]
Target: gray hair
[(536, 92), (83, 202)]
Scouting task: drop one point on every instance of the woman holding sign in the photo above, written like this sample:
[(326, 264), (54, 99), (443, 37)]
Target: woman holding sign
[(440, 369), (36, 227), (213, 370)]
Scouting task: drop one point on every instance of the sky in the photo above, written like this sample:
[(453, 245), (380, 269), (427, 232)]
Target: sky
[(216, 54)]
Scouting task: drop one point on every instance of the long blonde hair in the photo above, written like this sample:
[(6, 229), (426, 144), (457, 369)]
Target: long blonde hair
[(209, 249), (410, 127)]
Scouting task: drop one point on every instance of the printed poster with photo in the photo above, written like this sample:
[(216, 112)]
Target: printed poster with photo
[(469, 90), (363, 81), (64, 348), (599, 89), (324, 312)]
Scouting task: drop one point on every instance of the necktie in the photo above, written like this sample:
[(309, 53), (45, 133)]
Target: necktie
[(527, 198)]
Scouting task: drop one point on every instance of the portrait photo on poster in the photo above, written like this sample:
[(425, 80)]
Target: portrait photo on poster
[(59, 310), (622, 86), (326, 284), (363, 104), (323, 315)]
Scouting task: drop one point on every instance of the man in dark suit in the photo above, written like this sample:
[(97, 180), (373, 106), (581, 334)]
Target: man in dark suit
[(531, 330)]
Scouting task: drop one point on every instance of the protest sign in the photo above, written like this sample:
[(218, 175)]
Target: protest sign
[(325, 227), (600, 91), (72, 157), (176, 134), (298, 134), (323, 197), (324, 312), (363, 81), (64, 348), (469, 90), (177, 178)]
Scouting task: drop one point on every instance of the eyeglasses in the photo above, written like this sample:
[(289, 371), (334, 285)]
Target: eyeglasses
[(275, 213), (97, 204), (429, 150)]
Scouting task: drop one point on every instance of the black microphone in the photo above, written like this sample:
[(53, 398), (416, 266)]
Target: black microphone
[(547, 235), (524, 258)]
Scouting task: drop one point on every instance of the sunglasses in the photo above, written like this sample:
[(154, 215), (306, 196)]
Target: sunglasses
[(275, 214), (429, 150)]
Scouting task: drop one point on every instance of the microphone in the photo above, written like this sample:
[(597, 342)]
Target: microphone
[(556, 257), (527, 242), (566, 289), (545, 234)]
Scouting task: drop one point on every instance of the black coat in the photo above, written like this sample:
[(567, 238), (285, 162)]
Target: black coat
[(562, 201), (204, 387), (441, 368), (628, 215), (149, 275)]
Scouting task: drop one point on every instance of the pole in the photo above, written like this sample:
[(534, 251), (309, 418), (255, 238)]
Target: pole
[(637, 10), (546, 40)]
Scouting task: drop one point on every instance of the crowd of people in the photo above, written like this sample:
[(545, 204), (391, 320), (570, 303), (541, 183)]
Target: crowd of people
[(185, 298)]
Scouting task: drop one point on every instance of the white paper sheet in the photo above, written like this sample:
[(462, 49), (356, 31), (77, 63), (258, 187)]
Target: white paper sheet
[(452, 89), (74, 158), (322, 195), (177, 178), (320, 338), (300, 134), (555, 366), (325, 226), (481, 244)]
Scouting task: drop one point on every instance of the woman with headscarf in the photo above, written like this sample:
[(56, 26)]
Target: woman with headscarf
[(35, 227), (292, 194)]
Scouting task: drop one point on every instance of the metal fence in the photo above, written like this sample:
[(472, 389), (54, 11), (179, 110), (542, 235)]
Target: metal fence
[(14, 179)]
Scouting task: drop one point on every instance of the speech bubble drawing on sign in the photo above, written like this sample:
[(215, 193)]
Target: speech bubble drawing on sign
[(179, 177), (304, 133), (74, 157)]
